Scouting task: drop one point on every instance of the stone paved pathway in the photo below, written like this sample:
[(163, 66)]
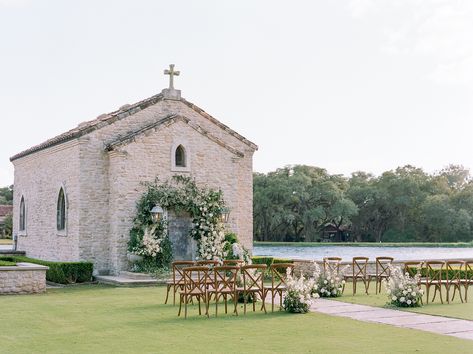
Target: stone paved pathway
[(435, 324)]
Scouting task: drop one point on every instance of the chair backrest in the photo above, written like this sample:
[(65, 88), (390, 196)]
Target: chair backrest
[(413, 264), (279, 274), (332, 264), (225, 277), (253, 276), (434, 270), (210, 263), (468, 274), (195, 278), (233, 262), (359, 266), (177, 273), (382, 266), (454, 271)]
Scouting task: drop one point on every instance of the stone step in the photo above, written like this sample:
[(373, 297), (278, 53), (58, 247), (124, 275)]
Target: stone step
[(138, 276)]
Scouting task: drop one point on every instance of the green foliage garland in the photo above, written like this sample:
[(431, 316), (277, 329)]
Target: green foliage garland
[(181, 194)]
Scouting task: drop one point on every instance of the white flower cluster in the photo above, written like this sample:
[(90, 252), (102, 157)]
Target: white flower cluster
[(299, 294), (240, 252), (330, 283), (402, 289), (210, 232), (150, 243)]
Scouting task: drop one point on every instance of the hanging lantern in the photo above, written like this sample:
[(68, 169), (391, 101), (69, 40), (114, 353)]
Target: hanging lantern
[(225, 214), (157, 213)]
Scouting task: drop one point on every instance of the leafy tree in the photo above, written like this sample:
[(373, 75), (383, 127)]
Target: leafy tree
[(6, 195)]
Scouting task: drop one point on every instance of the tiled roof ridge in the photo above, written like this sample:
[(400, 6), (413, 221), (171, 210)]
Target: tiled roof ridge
[(124, 111), (89, 126)]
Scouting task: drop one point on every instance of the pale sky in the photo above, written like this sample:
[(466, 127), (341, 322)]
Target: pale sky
[(345, 85)]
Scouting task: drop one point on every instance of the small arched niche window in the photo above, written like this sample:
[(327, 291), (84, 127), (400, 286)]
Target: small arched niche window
[(61, 210), (22, 225), (180, 156)]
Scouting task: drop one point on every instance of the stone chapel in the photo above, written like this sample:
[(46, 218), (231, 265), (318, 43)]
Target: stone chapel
[(75, 194)]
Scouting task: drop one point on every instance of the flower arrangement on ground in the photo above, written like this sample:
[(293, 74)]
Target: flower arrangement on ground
[(330, 284), (402, 289), (299, 294)]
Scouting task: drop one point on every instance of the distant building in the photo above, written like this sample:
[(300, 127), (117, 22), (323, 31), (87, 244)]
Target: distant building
[(331, 233), (75, 195)]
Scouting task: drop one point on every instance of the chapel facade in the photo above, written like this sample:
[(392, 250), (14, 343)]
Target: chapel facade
[(75, 194)]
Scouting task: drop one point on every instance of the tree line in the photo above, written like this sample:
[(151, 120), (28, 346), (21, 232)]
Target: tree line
[(297, 203)]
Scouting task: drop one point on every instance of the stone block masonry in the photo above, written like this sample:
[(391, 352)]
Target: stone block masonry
[(25, 278)]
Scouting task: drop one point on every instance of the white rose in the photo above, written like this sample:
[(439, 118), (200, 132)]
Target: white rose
[(409, 302), (402, 299), (413, 293), (394, 298)]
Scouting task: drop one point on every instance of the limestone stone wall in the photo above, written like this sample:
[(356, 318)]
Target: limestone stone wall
[(149, 156), (38, 178), (102, 187), (23, 279), (111, 182)]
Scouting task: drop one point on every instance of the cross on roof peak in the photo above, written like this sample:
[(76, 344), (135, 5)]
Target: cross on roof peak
[(171, 72)]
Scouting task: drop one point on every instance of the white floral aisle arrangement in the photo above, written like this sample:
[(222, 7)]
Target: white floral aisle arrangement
[(330, 284), (300, 294), (402, 289)]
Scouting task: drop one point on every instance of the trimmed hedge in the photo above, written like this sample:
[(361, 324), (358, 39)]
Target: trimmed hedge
[(4, 263), (60, 272), (269, 260), (423, 272)]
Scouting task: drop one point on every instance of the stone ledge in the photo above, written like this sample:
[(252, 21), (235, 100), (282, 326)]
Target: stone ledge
[(24, 267)]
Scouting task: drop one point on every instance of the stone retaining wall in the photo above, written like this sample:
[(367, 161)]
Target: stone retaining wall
[(24, 278), (346, 267)]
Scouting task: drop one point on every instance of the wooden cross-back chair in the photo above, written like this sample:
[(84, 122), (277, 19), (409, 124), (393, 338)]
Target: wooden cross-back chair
[(208, 263), (233, 262), (253, 278), (332, 264), (411, 265), (358, 267), (454, 276), (467, 279), (382, 271), (177, 280), (224, 285), (195, 286), (278, 281), (433, 278)]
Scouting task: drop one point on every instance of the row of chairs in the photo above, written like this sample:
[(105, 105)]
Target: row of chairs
[(207, 280), (453, 274), (359, 266)]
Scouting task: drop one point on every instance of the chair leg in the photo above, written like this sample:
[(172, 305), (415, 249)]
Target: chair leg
[(254, 302), (198, 299), (440, 292), (180, 305), (245, 294), (216, 304), (167, 293), (225, 297), (427, 291), (447, 287)]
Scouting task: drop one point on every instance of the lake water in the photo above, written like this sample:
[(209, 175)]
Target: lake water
[(348, 252)]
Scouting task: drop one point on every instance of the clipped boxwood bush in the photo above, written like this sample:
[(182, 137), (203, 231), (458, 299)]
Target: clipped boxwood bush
[(6, 263), (60, 272), (262, 260), (423, 272)]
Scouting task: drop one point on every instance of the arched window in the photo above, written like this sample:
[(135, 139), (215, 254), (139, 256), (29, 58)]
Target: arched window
[(61, 210), (180, 156), (22, 215)]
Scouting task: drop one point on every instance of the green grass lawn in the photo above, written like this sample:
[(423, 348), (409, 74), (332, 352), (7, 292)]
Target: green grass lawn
[(4, 241), (366, 244), (101, 319), (455, 309)]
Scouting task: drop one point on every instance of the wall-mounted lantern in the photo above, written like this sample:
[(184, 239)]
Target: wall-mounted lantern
[(225, 214), (157, 213)]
